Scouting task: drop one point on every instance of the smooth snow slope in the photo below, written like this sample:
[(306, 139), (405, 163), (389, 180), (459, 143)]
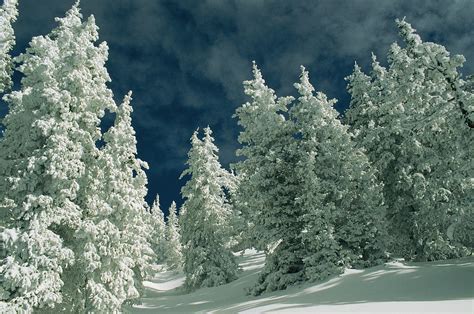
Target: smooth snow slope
[(436, 287)]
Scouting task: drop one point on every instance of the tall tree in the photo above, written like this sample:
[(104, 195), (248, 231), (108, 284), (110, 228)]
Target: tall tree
[(413, 119), (174, 256), (114, 252), (8, 15), (64, 234), (207, 260), (268, 185), (340, 197)]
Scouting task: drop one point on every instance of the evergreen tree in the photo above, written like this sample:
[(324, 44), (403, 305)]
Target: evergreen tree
[(73, 213), (115, 252), (268, 185), (50, 139), (238, 225), (174, 257), (204, 224), (414, 119), (8, 15), (323, 257), (339, 195), (157, 235)]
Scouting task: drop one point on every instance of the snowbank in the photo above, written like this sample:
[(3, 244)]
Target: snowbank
[(397, 287)]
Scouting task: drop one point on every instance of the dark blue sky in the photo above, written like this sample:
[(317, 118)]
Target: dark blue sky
[(185, 60)]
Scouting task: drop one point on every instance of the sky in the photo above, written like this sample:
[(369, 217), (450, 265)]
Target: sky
[(185, 60)]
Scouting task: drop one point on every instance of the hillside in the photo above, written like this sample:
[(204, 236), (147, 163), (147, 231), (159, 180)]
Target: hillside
[(433, 287)]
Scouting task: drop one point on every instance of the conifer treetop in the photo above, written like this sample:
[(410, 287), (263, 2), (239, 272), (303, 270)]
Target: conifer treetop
[(408, 33), (8, 15), (156, 204), (304, 87)]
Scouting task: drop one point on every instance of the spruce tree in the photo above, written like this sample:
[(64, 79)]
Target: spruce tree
[(204, 224), (158, 229), (115, 252), (174, 256), (49, 141), (340, 197), (8, 15), (414, 120), (72, 231), (268, 185), (239, 239)]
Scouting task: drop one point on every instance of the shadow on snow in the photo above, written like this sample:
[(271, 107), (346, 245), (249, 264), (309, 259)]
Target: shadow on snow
[(392, 282)]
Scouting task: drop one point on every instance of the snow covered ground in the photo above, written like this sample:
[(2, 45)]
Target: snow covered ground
[(436, 287)]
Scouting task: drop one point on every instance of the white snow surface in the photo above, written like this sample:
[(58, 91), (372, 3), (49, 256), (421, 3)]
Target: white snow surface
[(396, 287)]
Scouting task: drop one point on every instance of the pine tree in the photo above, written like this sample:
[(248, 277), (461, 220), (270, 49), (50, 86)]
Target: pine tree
[(414, 120), (130, 186), (340, 197), (323, 254), (73, 213), (50, 139), (174, 257), (268, 185), (8, 15), (204, 224), (114, 253), (238, 225), (157, 234)]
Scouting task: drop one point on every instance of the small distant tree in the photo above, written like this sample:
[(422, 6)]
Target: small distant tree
[(204, 225), (174, 256), (239, 238), (158, 229)]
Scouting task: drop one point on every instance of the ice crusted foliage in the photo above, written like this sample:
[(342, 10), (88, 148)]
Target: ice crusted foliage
[(268, 185), (157, 234), (116, 252), (8, 14), (51, 129), (313, 200), (174, 256), (413, 119), (341, 200), (204, 224), (71, 215)]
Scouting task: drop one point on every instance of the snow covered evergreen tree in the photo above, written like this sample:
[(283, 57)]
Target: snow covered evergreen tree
[(71, 232), (157, 234), (174, 256), (50, 136), (414, 119), (115, 253), (204, 224), (8, 15), (323, 254), (238, 224), (340, 197), (268, 185)]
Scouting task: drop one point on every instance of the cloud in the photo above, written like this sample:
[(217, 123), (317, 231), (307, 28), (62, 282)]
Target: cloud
[(186, 60)]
